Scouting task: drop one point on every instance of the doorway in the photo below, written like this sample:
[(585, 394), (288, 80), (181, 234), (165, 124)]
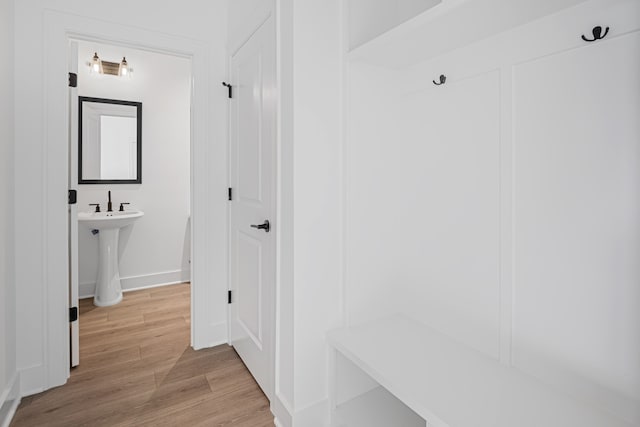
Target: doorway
[(209, 171), (118, 171)]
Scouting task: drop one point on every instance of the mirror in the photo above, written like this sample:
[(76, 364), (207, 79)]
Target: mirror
[(109, 141)]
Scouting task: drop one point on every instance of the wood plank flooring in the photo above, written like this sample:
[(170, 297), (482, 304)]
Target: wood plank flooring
[(137, 369)]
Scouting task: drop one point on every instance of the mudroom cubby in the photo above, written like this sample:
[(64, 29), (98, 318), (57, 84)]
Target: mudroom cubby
[(491, 217)]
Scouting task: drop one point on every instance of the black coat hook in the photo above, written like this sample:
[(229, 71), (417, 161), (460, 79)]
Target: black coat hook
[(443, 79), (597, 34), (228, 86)]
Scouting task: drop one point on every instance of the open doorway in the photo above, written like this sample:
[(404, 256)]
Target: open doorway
[(209, 181), (141, 277)]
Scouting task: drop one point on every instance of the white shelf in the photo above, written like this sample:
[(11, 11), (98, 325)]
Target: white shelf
[(450, 25), (449, 384), (377, 408)]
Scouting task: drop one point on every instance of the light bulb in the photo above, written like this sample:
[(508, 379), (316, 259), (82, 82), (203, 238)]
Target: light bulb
[(124, 68), (96, 64)]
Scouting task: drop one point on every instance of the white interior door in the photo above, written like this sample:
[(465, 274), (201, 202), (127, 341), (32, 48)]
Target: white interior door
[(252, 133), (74, 327)]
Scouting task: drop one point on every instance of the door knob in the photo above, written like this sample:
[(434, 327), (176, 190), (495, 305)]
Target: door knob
[(265, 226)]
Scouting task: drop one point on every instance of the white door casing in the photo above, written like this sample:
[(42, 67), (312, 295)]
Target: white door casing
[(252, 179), (74, 327)]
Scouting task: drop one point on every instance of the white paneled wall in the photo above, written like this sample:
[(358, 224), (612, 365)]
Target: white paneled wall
[(577, 216), (446, 160), (502, 207), (424, 205), (371, 196)]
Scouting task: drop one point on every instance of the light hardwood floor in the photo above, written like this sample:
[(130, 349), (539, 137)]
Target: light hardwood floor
[(137, 368)]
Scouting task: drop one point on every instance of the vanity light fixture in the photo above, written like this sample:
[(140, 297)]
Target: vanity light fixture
[(120, 69)]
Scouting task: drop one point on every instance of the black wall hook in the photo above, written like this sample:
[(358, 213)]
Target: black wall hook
[(597, 34), (443, 79), (228, 87)]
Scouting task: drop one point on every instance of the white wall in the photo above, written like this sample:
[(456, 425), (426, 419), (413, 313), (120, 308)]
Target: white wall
[(317, 197), (434, 252), (500, 208), (155, 249), (7, 283), (200, 28), (371, 292)]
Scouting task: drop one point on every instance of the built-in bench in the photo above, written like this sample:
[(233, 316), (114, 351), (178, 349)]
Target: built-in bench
[(397, 372)]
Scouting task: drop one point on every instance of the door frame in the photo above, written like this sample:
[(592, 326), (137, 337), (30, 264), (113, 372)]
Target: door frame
[(209, 216), (74, 267)]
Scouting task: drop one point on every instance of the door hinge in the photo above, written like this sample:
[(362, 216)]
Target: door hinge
[(73, 80), (73, 197), (228, 86), (230, 193), (228, 297), (73, 314)]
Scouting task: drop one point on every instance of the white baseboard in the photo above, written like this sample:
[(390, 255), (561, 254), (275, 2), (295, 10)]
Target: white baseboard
[(133, 283), (282, 411), (314, 415), (217, 335), (33, 380), (9, 400)]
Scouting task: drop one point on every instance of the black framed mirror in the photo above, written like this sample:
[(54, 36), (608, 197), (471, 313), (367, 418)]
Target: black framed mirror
[(109, 141)]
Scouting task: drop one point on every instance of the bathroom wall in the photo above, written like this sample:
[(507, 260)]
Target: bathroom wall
[(7, 283), (155, 250)]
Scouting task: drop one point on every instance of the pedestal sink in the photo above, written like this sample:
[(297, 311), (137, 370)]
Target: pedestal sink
[(108, 287)]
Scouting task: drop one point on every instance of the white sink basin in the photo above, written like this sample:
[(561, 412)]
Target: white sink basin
[(108, 220), (108, 287)]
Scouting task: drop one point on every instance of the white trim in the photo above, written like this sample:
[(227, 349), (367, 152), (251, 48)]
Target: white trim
[(9, 400), (217, 334), (344, 159), (208, 179), (145, 281), (282, 411), (507, 215), (31, 380), (284, 213), (313, 415)]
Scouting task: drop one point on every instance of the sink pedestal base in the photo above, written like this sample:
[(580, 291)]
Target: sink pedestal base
[(108, 286)]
